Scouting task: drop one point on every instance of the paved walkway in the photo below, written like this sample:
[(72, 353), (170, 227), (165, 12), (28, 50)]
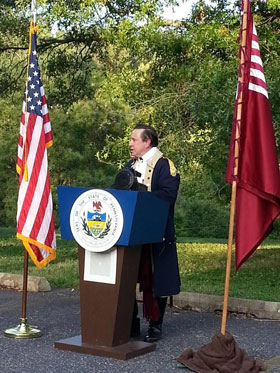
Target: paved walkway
[(56, 313)]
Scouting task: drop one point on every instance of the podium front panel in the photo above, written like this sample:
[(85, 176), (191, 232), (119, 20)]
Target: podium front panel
[(145, 214)]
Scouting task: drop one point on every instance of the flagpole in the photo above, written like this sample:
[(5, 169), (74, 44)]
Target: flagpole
[(235, 172), (24, 285), (25, 264), (33, 10), (23, 330)]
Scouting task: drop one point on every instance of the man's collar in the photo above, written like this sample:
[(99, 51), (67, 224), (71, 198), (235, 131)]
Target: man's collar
[(150, 153)]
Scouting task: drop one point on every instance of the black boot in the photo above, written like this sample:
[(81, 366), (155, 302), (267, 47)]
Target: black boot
[(161, 305), (135, 325), (154, 332), (135, 328)]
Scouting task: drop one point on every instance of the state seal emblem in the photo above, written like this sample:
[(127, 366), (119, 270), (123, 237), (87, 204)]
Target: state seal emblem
[(96, 220)]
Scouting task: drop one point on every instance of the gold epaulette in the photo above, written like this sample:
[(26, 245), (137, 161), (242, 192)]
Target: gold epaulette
[(173, 170)]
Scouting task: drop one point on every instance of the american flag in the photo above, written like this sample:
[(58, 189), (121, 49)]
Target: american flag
[(35, 220)]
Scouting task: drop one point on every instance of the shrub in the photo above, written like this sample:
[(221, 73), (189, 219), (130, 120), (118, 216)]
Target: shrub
[(201, 218)]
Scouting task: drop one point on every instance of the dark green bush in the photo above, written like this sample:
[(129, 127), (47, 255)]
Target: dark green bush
[(201, 218)]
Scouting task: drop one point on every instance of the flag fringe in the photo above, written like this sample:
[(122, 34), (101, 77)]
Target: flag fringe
[(27, 241), (49, 144), (18, 169)]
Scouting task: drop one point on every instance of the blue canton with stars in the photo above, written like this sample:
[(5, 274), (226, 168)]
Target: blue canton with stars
[(34, 99)]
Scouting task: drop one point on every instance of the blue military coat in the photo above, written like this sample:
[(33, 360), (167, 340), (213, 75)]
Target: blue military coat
[(166, 277)]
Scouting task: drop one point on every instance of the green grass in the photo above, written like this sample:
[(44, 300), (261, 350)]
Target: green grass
[(202, 266), (61, 272), (203, 262)]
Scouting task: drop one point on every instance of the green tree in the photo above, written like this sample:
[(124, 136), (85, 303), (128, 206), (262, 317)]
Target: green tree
[(107, 65)]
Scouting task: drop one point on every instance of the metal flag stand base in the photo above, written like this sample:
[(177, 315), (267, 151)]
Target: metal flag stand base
[(23, 330)]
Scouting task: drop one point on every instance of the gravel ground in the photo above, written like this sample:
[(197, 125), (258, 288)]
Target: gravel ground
[(57, 315)]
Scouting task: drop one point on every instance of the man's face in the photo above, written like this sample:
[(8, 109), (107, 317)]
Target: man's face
[(137, 146)]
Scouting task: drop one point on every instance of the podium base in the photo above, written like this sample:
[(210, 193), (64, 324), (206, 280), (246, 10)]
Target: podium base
[(122, 352)]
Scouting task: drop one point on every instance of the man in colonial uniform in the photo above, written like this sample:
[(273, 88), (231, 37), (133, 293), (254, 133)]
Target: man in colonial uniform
[(159, 273)]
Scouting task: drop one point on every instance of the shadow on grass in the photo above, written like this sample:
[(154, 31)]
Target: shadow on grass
[(203, 266), (212, 240)]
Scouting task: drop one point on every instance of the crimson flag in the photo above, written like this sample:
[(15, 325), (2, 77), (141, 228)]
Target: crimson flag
[(258, 181), (35, 220)]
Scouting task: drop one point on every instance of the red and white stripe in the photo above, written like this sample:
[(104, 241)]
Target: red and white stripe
[(22, 135), (35, 222), (257, 80)]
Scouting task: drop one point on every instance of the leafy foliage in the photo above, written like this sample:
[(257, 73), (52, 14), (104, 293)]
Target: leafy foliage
[(109, 64)]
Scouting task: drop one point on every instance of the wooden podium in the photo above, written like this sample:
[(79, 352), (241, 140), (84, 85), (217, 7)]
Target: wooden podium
[(106, 309)]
